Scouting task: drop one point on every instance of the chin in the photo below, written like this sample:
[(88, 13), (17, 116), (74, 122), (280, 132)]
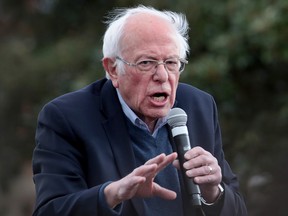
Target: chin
[(161, 113)]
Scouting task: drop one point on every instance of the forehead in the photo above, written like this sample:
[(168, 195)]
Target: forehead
[(142, 30)]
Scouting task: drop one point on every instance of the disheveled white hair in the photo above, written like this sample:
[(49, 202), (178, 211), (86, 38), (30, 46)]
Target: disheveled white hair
[(117, 19)]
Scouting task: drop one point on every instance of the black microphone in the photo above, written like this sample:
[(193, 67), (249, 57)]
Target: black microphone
[(177, 120)]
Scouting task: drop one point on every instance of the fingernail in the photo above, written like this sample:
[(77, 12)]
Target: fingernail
[(185, 165)]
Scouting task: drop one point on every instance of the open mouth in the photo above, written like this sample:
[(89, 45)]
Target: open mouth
[(159, 97)]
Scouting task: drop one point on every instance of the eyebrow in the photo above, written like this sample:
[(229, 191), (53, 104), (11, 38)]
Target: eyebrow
[(155, 58)]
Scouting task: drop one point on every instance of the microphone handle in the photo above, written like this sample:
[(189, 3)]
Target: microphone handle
[(183, 145)]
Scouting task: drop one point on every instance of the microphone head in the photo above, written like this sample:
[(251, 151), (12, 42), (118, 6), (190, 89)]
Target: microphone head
[(177, 117)]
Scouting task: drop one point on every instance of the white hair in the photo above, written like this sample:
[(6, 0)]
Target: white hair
[(117, 19)]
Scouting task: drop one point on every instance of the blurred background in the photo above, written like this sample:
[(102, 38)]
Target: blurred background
[(239, 54)]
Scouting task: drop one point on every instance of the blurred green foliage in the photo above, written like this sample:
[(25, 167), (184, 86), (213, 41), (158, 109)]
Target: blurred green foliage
[(239, 54)]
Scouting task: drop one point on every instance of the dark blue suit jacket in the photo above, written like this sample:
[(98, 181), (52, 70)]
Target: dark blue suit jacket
[(82, 142)]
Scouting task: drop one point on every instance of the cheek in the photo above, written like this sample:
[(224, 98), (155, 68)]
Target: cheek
[(138, 92), (133, 89)]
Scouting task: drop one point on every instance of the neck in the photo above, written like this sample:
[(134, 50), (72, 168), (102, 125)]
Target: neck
[(150, 122), (151, 125)]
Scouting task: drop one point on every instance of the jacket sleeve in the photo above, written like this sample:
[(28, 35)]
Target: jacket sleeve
[(204, 130), (58, 168)]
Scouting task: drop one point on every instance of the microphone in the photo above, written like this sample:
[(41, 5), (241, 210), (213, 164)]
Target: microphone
[(177, 119)]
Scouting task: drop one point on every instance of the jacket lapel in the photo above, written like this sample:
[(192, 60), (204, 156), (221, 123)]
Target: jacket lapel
[(117, 133), (116, 130)]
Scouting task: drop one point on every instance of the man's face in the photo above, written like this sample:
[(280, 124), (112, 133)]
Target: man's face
[(150, 95)]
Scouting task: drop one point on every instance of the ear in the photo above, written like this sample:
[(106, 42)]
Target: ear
[(110, 68)]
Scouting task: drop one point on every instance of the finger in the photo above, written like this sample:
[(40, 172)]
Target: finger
[(199, 161), (156, 160), (145, 170), (200, 171), (167, 160), (208, 179), (213, 176), (203, 158), (172, 156), (194, 152), (209, 169), (162, 160), (176, 164)]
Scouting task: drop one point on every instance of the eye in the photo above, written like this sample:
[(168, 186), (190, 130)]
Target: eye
[(171, 62), (146, 62), (145, 65)]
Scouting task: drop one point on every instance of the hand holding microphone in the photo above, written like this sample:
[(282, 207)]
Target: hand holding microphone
[(198, 167), (177, 120)]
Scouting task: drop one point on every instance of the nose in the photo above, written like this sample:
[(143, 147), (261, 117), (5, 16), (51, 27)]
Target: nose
[(161, 74)]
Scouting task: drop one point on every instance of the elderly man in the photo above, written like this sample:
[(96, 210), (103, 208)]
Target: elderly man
[(106, 149)]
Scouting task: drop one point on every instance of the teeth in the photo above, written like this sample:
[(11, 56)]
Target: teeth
[(159, 99)]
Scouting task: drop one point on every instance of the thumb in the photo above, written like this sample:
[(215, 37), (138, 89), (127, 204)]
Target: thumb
[(164, 193)]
